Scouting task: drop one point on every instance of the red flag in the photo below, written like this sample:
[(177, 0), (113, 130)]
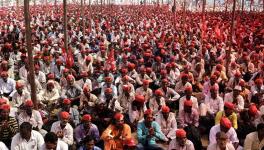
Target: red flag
[(217, 32), (111, 60), (69, 59)]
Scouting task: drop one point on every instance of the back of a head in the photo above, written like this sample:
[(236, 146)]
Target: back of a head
[(87, 139), (260, 126), (26, 126), (221, 134), (50, 137)]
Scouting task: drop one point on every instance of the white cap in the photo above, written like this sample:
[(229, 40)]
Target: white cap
[(237, 87)]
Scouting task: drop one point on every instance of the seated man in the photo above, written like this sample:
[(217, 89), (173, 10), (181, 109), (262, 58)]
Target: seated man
[(20, 95), (167, 122), (30, 115), (63, 129), (130, 144), (226, 127), (229, 113), (8, 125), (52, 142), (86, 128), (74, 113), (72, 91), (115, 133), (181, 142), (27, 138), (221, 143), (148, 132), (255, 140), (189, 120), (89, 144)]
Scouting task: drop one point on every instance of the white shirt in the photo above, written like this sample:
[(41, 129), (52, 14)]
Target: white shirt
[(240, 100), (169, 126), (214, 105), (214, 146), (231, 134), (67, 132), (60, 146), (7, 87), (193, 99), (3, 146), (175, 146), (252, 142), (35, 120), (17, 99), (35, 142)]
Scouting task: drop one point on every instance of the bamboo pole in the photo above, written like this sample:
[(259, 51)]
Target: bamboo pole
[(214, 6), (232, 20), (82, 14), (30, 55), (65, 25)]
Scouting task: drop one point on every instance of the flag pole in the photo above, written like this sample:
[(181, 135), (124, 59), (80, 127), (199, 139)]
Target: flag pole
[(30, 54), (65, 25)]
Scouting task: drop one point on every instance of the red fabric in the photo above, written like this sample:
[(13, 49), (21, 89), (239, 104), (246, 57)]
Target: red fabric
[(229, 105), (29, 103), (180, 133), (67, 101), (225, 122), (165, 109), (148, 112), (188, 103), (119, 116), (140, 98), (86, 117), (5, 107), (64, 115)]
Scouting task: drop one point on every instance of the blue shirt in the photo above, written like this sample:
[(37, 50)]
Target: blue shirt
[(142, 132), (84, 148)]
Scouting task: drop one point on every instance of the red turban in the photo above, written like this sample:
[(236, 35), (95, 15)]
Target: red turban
[(229, 105), (119, 116), (29, 103), (158, 92), (165, 109), (140, 98), (225, 122), (148, 112), (5, 107), (180, 133), (67, 101), (86, 117), (253, 109), (64, 115)]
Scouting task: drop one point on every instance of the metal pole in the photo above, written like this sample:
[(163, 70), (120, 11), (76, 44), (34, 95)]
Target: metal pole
[(65, 25), (30, 55)]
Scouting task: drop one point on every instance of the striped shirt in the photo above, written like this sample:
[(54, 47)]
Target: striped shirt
[(8, 133)]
